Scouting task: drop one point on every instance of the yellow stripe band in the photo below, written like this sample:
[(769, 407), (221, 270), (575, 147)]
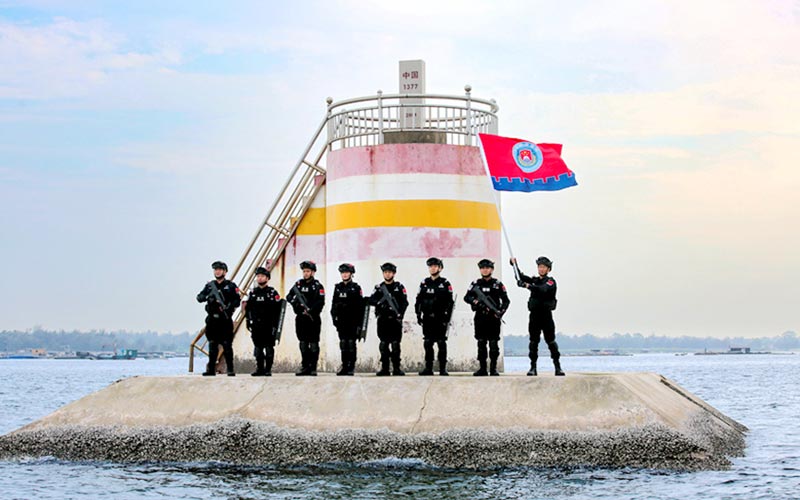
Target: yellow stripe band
[(400, 213), (413, 213), (312, 223)]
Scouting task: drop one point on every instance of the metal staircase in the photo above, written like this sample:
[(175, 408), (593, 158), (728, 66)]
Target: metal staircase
[(280, 224)]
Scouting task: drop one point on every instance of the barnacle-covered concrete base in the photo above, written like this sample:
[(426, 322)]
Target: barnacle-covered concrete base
[(604, 420)]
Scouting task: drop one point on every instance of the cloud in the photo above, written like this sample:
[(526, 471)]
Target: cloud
[(66, 58)]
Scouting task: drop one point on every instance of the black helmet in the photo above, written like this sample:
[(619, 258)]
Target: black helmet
[(544, 261), (485, 263), (434, 261), (264, 271), (388, 266), (219, 265), (347, 268), (308, 264)]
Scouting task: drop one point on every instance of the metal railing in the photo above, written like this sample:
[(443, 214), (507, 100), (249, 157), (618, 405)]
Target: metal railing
[(365, 121), (456, 119)]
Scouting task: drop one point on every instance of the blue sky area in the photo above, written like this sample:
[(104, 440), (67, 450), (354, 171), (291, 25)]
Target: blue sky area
[(139, 141)]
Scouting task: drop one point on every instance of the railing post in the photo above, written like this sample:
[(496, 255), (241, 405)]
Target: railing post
[(380, 117), (494, 126), (330, 125), (468, 90)]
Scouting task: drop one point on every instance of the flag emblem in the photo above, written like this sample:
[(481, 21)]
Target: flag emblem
[(522, 165), (528, 156)]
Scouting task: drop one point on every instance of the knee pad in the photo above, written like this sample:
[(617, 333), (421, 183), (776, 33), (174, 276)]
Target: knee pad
[(553, 345), (383, 346), (343, 345), (396, 346)]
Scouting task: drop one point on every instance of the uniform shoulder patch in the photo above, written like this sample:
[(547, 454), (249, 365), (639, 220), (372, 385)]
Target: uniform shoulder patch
[(551, 282)]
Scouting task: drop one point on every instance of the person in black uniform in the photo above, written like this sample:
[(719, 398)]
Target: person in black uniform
[(262, 309), (541, 305), (222, 298), (390, 301), (434, 307), (488, 298), (307, 298), (347, 311)]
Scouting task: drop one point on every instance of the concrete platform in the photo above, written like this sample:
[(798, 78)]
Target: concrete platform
[(608, 420)]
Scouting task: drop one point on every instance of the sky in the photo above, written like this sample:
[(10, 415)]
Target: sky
[(139, 141)]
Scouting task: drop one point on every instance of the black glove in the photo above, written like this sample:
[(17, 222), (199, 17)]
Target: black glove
[(522, 284)]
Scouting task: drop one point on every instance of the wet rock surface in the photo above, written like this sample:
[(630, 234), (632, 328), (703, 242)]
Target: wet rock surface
[(242, 441)]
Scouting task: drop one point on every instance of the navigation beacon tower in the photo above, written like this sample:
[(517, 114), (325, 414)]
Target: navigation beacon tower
[(395, 178)]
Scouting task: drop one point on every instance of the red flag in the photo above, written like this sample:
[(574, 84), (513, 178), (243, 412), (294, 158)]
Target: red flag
[(520, 165)]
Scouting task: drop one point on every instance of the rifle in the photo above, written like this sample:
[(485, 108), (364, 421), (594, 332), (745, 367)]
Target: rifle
[(281, 316), (362, 330), (387, 297), (487, 301), (215, 293), (298, 295)]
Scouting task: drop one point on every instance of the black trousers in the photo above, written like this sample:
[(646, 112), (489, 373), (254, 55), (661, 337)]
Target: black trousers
[(539, 323), (307, 329), (213, 354), (264, 348), (219, 332), (389, 330), (434, 332), (493, 350)]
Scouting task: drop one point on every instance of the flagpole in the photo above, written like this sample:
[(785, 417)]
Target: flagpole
[(497, 204)]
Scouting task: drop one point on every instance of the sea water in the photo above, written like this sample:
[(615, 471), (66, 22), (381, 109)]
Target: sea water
[(760, 391)]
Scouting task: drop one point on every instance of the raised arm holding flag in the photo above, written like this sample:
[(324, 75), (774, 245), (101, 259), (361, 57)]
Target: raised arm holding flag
[(521, 165)]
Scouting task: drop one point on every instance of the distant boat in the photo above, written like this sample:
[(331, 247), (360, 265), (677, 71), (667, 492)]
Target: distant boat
[(732, 350)]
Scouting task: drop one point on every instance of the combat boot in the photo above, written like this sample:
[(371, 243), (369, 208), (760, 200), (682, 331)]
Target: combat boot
[(493, 368), (313, 359), (482, 370), (343, 348), (268, 360), (396, 371), (443, 368), (259, 366), (351, 361), (557, 365), (384, 349), (304, 365), (428, 370), (532, 371), (384, 371)]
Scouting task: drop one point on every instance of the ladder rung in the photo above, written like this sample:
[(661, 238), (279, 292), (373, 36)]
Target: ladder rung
[(314, 167), (280, 230)]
